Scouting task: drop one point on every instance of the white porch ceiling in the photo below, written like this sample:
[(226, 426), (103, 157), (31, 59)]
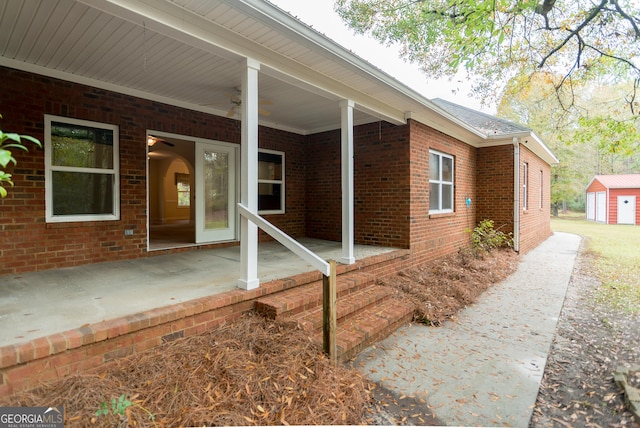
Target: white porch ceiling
[(189, 53)]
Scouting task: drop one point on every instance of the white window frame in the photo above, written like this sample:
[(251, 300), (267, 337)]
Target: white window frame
[(49, 169), (541, 188), (280, 182), (525, 186), (442, 183)]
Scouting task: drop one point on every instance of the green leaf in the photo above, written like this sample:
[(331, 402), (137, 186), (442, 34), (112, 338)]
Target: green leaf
[(6, 157), (15, 146), (11, 136), (32, 139)]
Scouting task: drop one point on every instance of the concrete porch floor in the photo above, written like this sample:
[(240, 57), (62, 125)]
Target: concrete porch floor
[(38, 304)]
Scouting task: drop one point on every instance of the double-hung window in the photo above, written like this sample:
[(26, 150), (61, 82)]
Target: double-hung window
[(541, 187), (525, 186), (440, 182), (271, 198), (81, 170)]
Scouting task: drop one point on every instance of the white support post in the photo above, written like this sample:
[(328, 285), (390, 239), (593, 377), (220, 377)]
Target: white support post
[(249, 176), (348, 233)]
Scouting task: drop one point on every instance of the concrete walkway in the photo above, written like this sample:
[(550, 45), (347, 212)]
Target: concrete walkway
[(484, 368)]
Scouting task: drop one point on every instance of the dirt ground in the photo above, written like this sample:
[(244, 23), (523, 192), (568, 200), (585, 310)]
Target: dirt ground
[(591, 341), (256, 372)]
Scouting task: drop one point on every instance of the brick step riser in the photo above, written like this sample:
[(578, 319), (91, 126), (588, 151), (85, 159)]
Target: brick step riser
[(308, 297), (346, 353), (353, 335), (346, 308)]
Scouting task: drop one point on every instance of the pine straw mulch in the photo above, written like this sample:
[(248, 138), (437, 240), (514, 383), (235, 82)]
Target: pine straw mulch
[(257, 372), (250, 372), (440, 289)]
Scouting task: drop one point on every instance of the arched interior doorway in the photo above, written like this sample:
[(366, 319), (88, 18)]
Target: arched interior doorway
[(171, 197)]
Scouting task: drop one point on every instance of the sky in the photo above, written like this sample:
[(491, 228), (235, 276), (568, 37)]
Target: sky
[(319, 15)]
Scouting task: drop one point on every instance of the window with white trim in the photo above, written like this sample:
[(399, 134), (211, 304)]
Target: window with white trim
[(271, 194), (81, 170), (440, 182), (541, 193), (525, 186)]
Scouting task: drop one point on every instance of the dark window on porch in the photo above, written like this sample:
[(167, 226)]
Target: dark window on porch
[(81, 162), (271, 198)]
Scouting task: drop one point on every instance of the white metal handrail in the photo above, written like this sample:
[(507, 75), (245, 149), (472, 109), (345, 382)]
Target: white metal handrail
[(329, 323), (293, 245)]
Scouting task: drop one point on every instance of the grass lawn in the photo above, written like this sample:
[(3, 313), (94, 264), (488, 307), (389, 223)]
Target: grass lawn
[(617, 251)]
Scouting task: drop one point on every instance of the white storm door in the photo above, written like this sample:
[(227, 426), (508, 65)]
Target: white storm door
[(215, 192), (626, 210)]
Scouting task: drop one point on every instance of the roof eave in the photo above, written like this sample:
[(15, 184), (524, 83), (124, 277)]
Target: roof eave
[(536, 144)]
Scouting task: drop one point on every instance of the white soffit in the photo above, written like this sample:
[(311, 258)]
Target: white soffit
[(188, 53)]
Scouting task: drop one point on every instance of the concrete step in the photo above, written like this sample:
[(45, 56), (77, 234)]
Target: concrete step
[(279, 306)]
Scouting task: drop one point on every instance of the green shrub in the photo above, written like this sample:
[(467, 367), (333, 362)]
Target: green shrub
[(11, 141), (485, 237)]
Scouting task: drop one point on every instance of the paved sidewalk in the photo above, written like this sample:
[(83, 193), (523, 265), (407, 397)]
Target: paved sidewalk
[(484, 368)]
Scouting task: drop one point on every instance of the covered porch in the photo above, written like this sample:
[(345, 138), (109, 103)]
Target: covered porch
[(45, 303), (65, 321)]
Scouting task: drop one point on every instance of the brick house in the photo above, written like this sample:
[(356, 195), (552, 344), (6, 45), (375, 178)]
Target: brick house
[(614, 199), (139, 108)]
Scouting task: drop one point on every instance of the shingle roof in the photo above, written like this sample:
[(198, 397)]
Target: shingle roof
[(620, 181), (484, 123)]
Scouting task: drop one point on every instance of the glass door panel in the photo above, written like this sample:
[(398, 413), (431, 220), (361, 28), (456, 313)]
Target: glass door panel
[(215, 192)]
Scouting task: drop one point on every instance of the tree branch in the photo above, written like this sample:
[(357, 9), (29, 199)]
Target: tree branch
[(617, 58), (634, 95), (544, 9), (630, 19), (594, 13)]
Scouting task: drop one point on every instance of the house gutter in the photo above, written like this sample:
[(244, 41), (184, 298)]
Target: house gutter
[(516, 194)]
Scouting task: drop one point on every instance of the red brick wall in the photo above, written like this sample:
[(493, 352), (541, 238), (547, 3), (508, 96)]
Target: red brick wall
[(323, 187), (535, 222), (391, 180), (391, 165), (495, 193), (30, 244), (495, 186), (433, 236), (381, 185)]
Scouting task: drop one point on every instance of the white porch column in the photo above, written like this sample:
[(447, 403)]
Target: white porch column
[(249, 175), (346, 107)]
